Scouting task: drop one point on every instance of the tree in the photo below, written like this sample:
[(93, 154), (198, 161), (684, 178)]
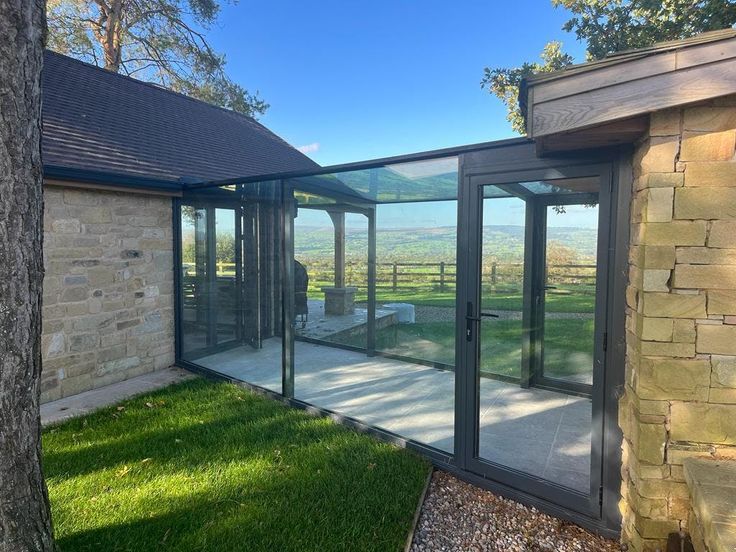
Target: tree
[(608, 26), (25, 519), (161, 41)]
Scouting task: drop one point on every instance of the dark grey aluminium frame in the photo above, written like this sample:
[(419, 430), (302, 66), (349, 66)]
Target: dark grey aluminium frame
[(508, 156), (474, 181)]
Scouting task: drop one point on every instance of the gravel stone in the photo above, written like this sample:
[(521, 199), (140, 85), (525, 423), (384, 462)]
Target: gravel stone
[(457, 516)]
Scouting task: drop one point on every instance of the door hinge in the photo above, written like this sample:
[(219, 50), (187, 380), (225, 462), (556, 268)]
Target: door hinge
[(600, 496), (605, 341)]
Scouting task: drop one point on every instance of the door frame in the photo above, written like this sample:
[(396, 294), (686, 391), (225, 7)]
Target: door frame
[(473, 176)]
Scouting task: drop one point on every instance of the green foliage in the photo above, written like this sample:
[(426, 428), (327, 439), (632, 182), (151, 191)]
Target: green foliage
[(608, 26), (613, 26), (504, 82), (161, 41), (211, 466)]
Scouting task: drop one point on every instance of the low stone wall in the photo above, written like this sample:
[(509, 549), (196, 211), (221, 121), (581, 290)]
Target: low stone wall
[(680, 393), (108, 290)]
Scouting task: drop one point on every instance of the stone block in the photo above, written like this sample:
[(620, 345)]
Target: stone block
[(683, 330), (708, 146), (655, 280), (81, 197), (724, 370), (656, 257), (721, 395), (657, 155), (659, 205), (84, 342), (673, 379), (703, 422), (73, 294), (665, 123), (674, 350), (66, 226), (656, 329), (706, 256), (722, 302), (716, 339), (677, 232), (722, 234), (714, 174), (672, 305), (705, 203), (704, 276), (709, 119), (660, 180)]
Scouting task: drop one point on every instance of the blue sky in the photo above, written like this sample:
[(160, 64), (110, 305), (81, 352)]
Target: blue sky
[(360, 80)]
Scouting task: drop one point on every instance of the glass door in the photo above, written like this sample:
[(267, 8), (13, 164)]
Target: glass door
[(534, 331), (211, 279)]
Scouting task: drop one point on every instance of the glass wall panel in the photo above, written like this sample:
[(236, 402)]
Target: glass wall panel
[(536, 342), (502, 286), (569, 292), (396, 229), (232, 266)]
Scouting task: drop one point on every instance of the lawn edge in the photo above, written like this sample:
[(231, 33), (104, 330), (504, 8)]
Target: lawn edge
[(418, 511)]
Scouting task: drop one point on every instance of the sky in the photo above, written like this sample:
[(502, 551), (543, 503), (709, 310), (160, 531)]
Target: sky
[(350, 81)]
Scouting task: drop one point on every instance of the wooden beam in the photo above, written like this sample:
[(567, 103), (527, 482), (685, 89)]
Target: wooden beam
[(633, 98), (610, 134), (338, 220)]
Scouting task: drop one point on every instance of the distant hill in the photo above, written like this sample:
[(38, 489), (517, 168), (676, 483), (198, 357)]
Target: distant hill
[(505, 243)]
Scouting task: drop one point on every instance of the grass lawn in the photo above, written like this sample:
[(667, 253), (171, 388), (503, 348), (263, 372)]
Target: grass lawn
[(209, 466)]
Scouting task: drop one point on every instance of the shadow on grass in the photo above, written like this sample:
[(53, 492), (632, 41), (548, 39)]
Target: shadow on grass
[(212, 467)]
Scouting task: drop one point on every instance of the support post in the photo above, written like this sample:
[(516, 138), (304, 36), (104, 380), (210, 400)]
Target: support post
[(288, 208), (338, 220), (371, 326)]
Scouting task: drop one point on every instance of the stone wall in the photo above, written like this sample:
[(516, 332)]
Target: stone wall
[(680, 394), (108, 290)]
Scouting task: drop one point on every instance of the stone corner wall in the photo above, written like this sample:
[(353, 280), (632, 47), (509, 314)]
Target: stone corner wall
[(680, 393), (108, 289)]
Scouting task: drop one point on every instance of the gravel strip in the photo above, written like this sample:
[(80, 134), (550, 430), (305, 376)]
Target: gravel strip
[(457, 516)]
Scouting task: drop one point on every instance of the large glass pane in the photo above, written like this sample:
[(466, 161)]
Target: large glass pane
[(227, 274), (236, 231), (537, 328), (396, 229), (194, 280), (502, 285), (330, 274), (569, 292)]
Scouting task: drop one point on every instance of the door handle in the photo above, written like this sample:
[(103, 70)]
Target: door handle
[(469, 319), (482, 315)]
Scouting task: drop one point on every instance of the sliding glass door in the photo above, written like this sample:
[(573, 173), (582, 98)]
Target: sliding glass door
[(534, 331)]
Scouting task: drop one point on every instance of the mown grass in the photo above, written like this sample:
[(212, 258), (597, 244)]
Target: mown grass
[(209, 466)]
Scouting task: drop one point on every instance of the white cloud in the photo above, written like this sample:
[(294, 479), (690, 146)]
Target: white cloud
[(309, 148)]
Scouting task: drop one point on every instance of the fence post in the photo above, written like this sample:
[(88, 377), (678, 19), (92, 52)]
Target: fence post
[(493, 273), (395, 276), (442, 276)]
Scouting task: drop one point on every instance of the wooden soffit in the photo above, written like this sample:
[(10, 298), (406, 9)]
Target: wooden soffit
[(616, 94)]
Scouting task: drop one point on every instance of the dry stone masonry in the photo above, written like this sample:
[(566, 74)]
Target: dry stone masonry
[(108, 290), (680, 394)]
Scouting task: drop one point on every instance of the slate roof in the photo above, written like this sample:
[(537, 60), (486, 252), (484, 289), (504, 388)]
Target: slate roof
[(95, 121)]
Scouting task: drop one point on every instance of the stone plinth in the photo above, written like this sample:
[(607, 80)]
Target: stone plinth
[(339, 301)]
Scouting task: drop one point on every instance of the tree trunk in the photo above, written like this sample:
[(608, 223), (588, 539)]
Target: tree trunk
[(25, 519)]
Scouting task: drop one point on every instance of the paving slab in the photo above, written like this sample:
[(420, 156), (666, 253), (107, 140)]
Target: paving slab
[(78, 405)]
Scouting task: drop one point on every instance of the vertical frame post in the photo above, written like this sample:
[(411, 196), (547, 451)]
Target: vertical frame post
[(287, 208), (371, 322)]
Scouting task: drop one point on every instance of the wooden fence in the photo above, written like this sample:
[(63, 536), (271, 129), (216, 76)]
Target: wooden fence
[(440, 276)]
